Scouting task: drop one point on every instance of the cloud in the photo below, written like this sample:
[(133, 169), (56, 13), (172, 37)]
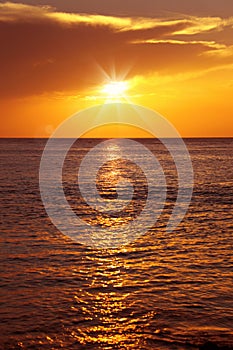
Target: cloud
[(223, 51), (209, 44), (189, 25), (20, 12), (44, 50), (205, 24)]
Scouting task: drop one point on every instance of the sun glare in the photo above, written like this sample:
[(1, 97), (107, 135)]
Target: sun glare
[(115, 89)]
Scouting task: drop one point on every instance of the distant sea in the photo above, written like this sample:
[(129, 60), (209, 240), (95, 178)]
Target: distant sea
[(162, 291)]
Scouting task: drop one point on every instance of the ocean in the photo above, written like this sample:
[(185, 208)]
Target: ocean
[(160, 291)]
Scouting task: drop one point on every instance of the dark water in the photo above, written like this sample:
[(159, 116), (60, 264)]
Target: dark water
[(163, 291)]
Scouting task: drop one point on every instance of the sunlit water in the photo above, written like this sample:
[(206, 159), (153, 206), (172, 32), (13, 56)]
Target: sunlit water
[(163, 291)]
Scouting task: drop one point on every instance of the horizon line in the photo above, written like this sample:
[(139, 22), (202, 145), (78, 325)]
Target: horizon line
[(103, 138)]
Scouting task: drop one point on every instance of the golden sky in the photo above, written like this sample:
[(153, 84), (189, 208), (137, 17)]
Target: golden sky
[(57, 56)]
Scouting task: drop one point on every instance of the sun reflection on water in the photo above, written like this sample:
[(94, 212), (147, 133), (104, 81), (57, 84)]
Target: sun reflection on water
[(112, 313)]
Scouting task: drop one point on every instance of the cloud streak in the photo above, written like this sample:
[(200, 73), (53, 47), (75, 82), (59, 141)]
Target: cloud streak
[(191, 24)]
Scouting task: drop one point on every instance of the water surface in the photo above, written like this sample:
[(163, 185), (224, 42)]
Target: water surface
[(163, 291)]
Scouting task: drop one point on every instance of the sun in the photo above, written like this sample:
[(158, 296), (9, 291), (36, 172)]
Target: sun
[(115, 89)]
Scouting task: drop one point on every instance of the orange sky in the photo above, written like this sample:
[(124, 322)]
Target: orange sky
[(55, 60)]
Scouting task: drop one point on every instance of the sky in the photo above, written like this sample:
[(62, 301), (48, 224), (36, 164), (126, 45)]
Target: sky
[(174, 56)]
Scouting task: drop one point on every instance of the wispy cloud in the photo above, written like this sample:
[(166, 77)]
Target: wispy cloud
[(223, 51), (190, 24), (210, 44), (10, 11), (204, 24)]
